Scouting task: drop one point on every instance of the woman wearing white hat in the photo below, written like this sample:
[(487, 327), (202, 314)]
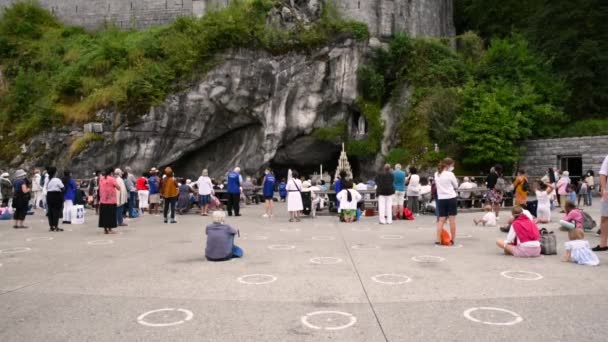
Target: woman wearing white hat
[(21, 198)]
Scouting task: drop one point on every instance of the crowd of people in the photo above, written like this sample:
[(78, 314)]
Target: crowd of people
[(398, 194)]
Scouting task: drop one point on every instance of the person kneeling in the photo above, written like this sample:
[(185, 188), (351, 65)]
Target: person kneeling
[(220, 240), (348, 202), (523, 239)]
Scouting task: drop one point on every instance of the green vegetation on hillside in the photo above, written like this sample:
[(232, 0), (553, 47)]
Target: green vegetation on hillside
[(59, 75), (475, 103)]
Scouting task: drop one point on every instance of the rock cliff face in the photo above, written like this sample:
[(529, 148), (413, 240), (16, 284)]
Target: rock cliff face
[(251, 110)]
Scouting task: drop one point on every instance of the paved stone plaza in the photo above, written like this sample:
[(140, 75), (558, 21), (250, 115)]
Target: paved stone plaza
[(318, 280)]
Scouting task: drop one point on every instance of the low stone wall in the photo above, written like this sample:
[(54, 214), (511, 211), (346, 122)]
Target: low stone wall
[(543, 154)]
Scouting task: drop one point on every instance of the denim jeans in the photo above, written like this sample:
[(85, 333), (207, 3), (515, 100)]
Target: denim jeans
[(119, 210), (132, 200), (170, 202)]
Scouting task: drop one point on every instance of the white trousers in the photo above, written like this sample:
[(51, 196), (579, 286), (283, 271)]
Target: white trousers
[(143, 198), (37, 198), (67, 210), (385, 209)]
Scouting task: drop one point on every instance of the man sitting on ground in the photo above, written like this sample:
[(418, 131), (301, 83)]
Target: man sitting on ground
[(220, 239)]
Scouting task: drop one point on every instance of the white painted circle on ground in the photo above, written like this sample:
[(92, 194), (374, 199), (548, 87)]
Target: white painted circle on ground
[(517, 318), (364, 229), (330, 316), (15, 250), (428, 259), (256, 279), (522, 275), (466, 236), (398, 279), (326, 260), (141, 319), (289, 230), (364, 246), (281, 247), (36, 238), (391, 237), (453, 246), (255, 237), (323, 238), (100, 242)]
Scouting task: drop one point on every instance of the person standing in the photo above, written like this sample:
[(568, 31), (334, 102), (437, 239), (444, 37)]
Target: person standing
[(268, 191), (43, 182), (54, 199), (108, 190), (142, 192), (169, 192), (132, 190), (154, 195), (520, 184), (205, 190), (562, 189), (234, 191), (385, 190), (589, 179), (413, 190), (93, 191), (447, 203), (69, 195), (6, 189), (294, 196), (399, 185), (37, 189), (603, 246), (21, 198), (122, 197)]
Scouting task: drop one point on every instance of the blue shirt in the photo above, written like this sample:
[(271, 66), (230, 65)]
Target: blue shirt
[(283, 189), (153, 185), (572, 197), (399, 182), (234, 183), (220, 239), (269, 185), (70, 191)]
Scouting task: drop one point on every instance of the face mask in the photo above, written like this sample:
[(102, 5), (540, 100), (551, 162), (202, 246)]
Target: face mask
[(266, 172)]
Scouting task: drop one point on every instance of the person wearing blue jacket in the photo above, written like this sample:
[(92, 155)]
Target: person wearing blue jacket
[(268, 191), (283, 190), (234, 191), (69, 196)]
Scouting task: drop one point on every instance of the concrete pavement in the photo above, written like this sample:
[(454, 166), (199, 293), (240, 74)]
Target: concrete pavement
[(317, 280)]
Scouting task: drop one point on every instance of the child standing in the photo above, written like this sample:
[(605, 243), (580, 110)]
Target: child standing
[(582, 193), (489, 219), (572, 193), (283, 190), (543, 210), (578, 250)]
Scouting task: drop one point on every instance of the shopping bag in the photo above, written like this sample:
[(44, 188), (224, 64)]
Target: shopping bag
[(446, 238), (78, 214)]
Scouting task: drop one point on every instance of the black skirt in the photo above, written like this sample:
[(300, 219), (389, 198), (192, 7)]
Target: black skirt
[(107, 216)]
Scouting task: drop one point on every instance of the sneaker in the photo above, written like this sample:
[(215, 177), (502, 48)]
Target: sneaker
[(173, 221), (599, 232), (166, 221), (599, 249)]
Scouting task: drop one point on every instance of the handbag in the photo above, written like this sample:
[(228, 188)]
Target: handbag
[(548, 242)]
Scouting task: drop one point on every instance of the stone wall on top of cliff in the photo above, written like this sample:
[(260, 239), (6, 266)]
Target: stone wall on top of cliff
[(384, 17)]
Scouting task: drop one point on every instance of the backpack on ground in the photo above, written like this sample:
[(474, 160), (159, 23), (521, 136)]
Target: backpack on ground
[(588, 222), (408, 215), (446, 238)]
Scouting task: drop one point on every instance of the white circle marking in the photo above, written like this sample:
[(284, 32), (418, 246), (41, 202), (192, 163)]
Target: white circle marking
[(362, 246), (141, 319), (453, 246), (517, 317), (535, 276), (391, 237), (323, 238), (405, 279), (360, 229), (46, 238), (100, 242), (289, 230), (326, 260), (352, 320), (281, 247), (15, 250), (428, 259), (243, 279)]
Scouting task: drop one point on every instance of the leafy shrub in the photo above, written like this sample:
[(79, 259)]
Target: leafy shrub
[(80, 144)]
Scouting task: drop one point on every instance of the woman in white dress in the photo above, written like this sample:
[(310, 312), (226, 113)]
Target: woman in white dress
[(294, 197)]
